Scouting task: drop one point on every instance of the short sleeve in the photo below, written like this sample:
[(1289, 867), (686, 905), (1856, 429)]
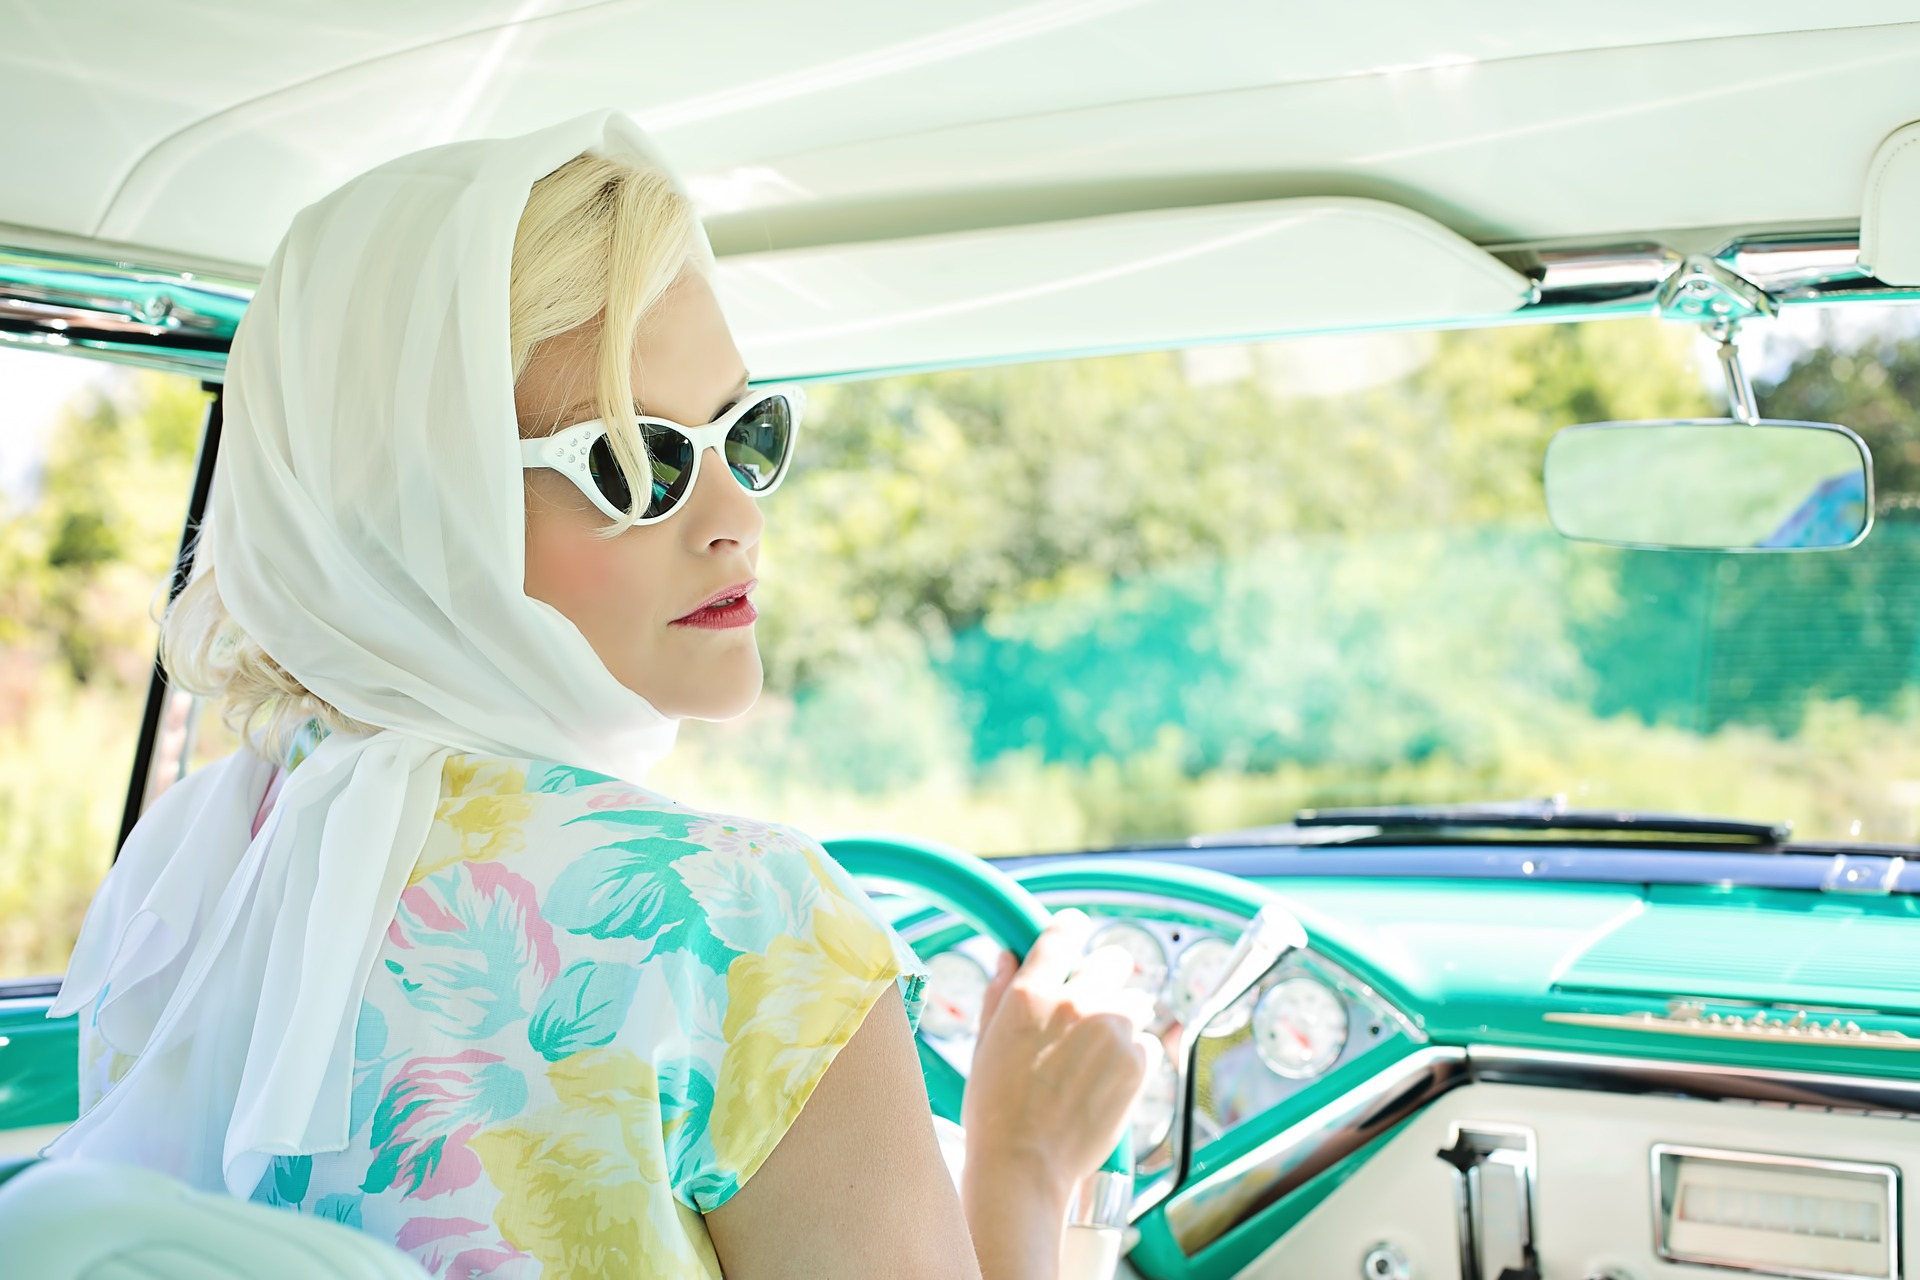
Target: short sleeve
[(799, 956)]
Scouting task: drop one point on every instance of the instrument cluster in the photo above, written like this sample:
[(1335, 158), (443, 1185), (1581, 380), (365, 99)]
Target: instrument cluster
[(1303, 1019)]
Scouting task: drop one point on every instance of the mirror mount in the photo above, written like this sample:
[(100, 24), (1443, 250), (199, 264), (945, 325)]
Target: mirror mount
[(1741, 404), (1703, 292)]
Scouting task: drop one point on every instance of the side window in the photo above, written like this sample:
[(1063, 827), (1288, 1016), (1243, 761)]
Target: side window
[(96, 465)]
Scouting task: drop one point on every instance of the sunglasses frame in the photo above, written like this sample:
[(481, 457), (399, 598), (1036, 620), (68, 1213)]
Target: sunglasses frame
[(569, 450)]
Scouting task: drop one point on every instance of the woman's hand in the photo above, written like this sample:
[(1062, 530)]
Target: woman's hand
[(1059, 1063)]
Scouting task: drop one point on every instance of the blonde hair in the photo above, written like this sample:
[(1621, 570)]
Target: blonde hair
[(600, 242)]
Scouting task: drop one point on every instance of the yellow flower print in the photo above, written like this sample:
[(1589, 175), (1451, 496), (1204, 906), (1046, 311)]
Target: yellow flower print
[(483, 806), (583, 1184), (788, 1012)]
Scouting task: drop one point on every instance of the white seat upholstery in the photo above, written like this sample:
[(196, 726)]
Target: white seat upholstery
[(84, 1220)]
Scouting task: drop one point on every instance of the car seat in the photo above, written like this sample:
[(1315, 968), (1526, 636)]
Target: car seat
[(89, 1220)]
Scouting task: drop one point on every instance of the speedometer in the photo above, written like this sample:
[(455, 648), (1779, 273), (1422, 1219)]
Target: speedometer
[(1299, 1027), (1148, 956), (1195, 975), (956, 990), (1153, 1113)]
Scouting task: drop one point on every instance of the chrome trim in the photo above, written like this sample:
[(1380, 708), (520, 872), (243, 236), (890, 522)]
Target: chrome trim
[(110, 309), (1887, 1173), (1706, 1082), (1702, 290), (1101, 1200), (1689, 1018), (1470, 1150), (1223, 1198), (1787, 268), (1863, 873), (1742, 405), (1269, 938)]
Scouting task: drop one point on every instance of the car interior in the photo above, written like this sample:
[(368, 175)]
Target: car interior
[(1411, 1031)]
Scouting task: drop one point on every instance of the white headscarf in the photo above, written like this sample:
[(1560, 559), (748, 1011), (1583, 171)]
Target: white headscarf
[(368, 526)]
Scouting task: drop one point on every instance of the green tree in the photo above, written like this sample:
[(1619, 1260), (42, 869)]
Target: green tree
[(78, 567), (1874, 389)]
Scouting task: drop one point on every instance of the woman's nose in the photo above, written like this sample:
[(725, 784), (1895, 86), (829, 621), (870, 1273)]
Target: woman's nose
[(720, 510)]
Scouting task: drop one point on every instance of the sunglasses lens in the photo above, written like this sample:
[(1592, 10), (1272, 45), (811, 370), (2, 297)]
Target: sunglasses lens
[(607, 476), (757, 444), (672, 456)]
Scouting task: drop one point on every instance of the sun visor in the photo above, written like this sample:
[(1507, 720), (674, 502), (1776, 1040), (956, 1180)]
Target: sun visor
[(1890, 214), (1117, 282)]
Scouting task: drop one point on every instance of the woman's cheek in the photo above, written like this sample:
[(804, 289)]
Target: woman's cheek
[(588, 578)]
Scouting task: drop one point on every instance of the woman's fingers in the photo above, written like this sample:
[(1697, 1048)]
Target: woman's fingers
[(1003, 972), (1058, 949), (1104, 968)]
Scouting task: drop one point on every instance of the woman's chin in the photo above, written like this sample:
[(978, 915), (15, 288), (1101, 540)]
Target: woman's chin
[(719, 699)]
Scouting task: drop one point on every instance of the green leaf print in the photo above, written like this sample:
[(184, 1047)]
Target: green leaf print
[(583, 1009), (668, 823), (286, 1181), (555, 779), (623, 890)]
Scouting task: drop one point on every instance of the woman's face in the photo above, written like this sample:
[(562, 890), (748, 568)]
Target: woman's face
[(639, 597)]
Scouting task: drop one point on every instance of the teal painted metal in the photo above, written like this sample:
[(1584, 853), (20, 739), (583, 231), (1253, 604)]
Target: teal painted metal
[(39, 1065), (971, 888), (951, 878), (180, 321), (1485, 962)]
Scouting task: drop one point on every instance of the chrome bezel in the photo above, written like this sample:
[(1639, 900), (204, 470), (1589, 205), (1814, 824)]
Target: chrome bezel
[(1318, 1064), (1095, 941), (1886, 1173), (951, 956)]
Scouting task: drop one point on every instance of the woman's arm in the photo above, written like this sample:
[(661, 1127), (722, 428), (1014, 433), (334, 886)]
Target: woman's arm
[(857, 1187)]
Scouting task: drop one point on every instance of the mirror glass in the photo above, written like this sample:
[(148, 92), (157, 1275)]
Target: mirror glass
[(1713, 484)]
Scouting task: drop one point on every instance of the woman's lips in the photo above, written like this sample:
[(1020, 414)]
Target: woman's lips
[(731, 608)]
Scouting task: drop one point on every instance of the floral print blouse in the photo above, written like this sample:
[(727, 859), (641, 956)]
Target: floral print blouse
[(595, 1014)]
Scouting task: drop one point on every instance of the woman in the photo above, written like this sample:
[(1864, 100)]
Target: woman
[(426, 960)]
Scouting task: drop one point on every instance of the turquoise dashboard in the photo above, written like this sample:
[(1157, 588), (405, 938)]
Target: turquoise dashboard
[(1627, 1020)]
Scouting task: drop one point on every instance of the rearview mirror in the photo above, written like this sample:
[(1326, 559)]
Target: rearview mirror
[(1711, 484)]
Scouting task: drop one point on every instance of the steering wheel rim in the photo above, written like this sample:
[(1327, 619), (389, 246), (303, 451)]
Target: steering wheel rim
[(990, 900)]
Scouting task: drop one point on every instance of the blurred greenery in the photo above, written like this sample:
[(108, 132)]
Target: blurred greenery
[(1073, 604), (81, 567)]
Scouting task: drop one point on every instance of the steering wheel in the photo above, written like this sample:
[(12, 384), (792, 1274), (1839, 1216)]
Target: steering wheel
[(996, 904)]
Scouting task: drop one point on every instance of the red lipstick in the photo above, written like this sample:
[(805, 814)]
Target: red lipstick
[(724, 610)]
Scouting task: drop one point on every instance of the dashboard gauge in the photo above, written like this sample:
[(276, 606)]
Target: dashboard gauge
[(1149, 957), (1299, 1027), (1194, 974), (1153, 1114), (956, 989)]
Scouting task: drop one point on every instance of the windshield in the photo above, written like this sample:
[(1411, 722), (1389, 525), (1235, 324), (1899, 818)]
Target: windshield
[(1142, 597), (1070, 605)]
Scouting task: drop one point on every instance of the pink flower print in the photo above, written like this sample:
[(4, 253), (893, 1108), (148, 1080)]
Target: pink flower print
[(470, 949), (622, 800), (427, 1113), (462, 1249), (739, 837)]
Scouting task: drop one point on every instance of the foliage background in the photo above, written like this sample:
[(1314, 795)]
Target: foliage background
[(1074, 604)]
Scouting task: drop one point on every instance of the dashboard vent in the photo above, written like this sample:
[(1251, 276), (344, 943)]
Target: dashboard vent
[(1838, 954)]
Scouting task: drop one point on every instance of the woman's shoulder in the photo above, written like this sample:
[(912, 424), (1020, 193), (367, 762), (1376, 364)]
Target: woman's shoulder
[(590, 867), (607, 857), (505, 802)]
